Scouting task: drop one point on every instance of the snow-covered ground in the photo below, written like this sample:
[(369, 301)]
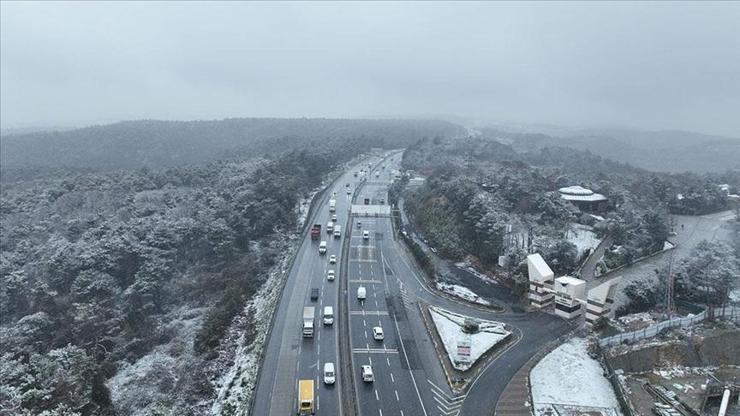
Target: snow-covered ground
[(449, 327), (690, 231), (635, 321), (141, 387), (236, 386), (568, 379), (462, 292), (583, 238), (470, 269)]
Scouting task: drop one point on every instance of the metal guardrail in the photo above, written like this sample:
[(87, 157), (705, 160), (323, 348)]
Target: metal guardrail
[(318, 199), (349, 404), (731, 313)]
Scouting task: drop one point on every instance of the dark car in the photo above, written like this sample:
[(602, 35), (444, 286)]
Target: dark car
[(315, 294)]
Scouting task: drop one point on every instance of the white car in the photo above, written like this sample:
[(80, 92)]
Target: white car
[(329, 374), (367, 374), (330, 275), (361, 293), (328, 315), (333, 259), (377, 333), (333, 218), (366, 235)]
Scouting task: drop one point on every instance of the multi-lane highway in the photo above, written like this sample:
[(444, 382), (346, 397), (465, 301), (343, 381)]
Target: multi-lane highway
[(289, 356), (408, 377)]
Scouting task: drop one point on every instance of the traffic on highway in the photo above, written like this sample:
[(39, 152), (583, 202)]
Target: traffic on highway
[(348, 334)]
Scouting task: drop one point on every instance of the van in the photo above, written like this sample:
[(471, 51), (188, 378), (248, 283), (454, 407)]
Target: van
[(361, 293), (329, 227), (305, 397), (328, 315), (322, 247), (338, 231), (329, 373), (367, 373)]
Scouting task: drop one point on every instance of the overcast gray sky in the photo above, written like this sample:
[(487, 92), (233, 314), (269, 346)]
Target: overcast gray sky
[(653, 66)]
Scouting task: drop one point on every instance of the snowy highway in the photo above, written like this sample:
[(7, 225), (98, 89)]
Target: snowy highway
[(409, 378)]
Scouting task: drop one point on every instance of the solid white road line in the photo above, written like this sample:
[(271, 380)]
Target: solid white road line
[(408, 364)]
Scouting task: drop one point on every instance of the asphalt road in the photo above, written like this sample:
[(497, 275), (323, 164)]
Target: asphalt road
[(403, 287), (289, 356), (409, 379)]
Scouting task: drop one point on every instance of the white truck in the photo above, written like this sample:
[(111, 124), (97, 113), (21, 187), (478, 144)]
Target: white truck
[(308, 321), (338, 231), (332, 205)]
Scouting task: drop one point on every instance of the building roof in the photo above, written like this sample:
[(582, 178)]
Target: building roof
[(579, 193), (569, 280), (604, 291), (538, 268)]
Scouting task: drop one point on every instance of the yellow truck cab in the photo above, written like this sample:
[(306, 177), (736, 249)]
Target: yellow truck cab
[(305, 397)]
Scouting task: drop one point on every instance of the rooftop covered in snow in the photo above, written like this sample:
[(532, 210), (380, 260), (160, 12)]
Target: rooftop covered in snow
[(538, 269), (579, 193)]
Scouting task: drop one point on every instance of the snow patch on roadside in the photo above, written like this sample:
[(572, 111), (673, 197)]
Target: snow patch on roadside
[(141, 387), (570, 379), (462, 292), (449, 327), (304, 207), (237, 385), (472, 270), (582, 237)]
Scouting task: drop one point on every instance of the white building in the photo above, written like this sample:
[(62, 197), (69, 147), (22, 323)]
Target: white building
[(569, 294), (541, 280), (584, 198), (600, 301)]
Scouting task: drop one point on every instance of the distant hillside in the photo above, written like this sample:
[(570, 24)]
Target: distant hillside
[(667, 151), (151, 143)]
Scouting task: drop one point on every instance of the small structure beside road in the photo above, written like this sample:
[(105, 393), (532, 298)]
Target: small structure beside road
[(465, 347), (569, 294), (371, 210), (585, 199), (541, 279)]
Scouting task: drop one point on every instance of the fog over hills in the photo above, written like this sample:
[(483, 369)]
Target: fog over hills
[(154, 143), (667, 151)]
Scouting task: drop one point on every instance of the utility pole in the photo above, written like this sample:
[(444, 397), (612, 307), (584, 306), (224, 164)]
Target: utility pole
[(669, 304)]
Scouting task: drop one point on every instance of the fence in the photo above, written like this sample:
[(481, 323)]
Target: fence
[(730, 313)]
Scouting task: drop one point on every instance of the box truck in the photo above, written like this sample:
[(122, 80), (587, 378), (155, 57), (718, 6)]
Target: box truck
[(308, 321)]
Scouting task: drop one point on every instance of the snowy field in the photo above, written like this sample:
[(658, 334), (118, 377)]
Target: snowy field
[(583, 238), (462, 292), (449, 327), (691, 230), (567, 380)]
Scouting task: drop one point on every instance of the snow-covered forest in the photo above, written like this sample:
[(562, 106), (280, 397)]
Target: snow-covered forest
[(479, 187), (118, 286), (156, 144)]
